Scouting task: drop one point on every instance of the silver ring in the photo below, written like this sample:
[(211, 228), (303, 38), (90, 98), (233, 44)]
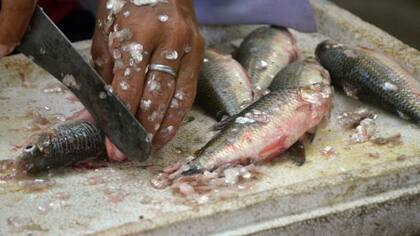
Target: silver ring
[(162, 68)]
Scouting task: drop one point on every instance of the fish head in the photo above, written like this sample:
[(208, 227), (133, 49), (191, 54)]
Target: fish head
[(37, 148), (327, 45), (329, 48), (335, 58), (313, 73)]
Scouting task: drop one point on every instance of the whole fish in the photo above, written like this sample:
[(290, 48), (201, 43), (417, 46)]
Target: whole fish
[(301, 74), (224, 87), (62, 145), (371, 76), (264, 52), (266, 128)]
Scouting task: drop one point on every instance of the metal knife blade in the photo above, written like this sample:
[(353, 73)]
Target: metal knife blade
[(47, 46)]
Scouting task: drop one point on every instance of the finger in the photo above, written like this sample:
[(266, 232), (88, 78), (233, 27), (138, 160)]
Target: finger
[(102, 59), (130, 62), (113, 152), (159, 87), (14, 19), (101, 56), (184, 95), (129, 48)]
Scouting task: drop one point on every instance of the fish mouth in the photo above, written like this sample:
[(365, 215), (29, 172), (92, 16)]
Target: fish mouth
[(29, 148)]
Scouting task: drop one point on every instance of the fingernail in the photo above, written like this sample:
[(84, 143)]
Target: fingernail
[(113, 152), (109, 149), (5, 50), (119, 155)]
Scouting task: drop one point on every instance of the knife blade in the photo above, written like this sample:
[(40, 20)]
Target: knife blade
[(47, 47)]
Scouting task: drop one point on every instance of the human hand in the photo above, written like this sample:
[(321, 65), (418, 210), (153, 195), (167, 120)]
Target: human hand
[(15, 16), (128, 38)]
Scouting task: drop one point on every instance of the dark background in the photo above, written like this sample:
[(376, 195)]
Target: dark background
[(400, 18)]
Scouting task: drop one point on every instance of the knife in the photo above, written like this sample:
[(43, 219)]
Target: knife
[(47, 46)]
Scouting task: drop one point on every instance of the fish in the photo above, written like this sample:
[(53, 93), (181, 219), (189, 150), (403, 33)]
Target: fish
[(60, 146), (371, 76), (264, 52), (224, 87), (302, 73), (266, 128)]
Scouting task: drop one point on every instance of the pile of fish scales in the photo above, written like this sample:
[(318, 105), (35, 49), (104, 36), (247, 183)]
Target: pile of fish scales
[(208, 185), (363, 126)]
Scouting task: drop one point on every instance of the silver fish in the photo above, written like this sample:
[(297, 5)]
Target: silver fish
[(224, 87), (264, 52)]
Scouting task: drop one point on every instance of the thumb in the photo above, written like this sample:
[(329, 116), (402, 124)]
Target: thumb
[(15, 16)]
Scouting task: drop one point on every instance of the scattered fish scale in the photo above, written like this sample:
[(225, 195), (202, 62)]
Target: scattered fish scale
[(372, 77), (350, 120), (364, 131), (148, 2)]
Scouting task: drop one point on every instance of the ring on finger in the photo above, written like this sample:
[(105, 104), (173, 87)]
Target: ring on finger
[(163, 68)]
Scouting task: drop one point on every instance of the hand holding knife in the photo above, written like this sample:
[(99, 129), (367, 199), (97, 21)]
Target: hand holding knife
[(47, 46)]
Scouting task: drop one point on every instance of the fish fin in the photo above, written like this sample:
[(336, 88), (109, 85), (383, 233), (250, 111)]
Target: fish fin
[(298, 150), (221, 116), (309, 136), (236, 43), (223, 123), (298, 153), (198, 152), (193, 170)]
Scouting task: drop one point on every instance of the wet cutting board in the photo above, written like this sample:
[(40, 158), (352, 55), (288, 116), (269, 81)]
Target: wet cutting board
[(354, 192)]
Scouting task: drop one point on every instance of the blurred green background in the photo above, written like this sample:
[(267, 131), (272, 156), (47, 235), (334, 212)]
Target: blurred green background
[(400, 18)]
